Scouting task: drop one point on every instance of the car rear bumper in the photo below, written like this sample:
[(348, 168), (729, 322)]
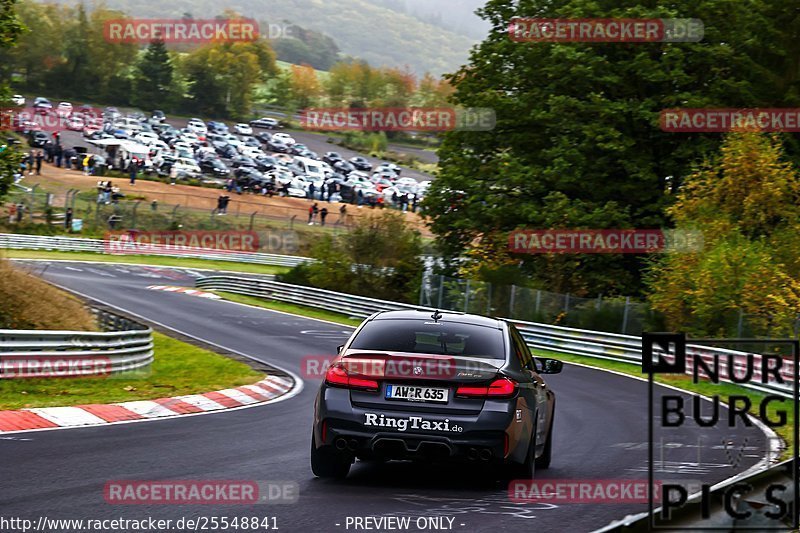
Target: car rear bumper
[(368, 432)]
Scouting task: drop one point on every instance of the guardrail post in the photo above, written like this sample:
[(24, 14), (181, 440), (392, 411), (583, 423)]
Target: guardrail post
[(291, 221), (511, 301), (625, 314), (251, 220), (538, 299), (566, 303)]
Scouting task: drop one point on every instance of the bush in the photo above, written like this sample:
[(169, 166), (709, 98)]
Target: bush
[(27, 302)]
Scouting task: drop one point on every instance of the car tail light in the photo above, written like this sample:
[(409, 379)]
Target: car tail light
[(337, 376), (499, 388)]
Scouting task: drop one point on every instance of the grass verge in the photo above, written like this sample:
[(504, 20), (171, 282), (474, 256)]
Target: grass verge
[(179, 368), (146, 260), (275, 305), (723, 390)]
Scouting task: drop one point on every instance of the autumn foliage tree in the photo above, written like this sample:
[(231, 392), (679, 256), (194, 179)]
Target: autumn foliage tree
[(746, 204)]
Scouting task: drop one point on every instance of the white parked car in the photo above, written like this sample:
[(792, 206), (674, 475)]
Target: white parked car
[(198, 127), (284, 137), (145, 137), (251, 151), (313, 169), (189, 137), (187, 166), (408, 182), (18, 100), (243, 129), (182, 145), (64, 109)]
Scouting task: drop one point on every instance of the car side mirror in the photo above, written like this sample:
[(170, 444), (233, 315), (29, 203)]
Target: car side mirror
[(339, 348), (550, 366)]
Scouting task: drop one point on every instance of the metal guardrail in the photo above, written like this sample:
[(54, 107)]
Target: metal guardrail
[(81, 244), (597, 344), (123, 345)]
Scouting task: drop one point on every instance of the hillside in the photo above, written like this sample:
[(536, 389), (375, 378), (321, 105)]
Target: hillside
[(366, 29)]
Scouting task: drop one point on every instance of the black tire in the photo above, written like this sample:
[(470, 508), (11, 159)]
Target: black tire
[(543, 461), (326, 462)]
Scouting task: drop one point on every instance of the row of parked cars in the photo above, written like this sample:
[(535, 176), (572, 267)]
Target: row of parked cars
[(253, 154)]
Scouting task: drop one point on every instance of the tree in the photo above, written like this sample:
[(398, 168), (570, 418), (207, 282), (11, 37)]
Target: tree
[(379, 257), (305, 87), (582, 119), (152, 82), (10, 29), (222, 76), (746, 202)]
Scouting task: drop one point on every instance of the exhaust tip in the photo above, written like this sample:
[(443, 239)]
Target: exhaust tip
[(472, 454), (486, 454), (341, 443), (352, 445)]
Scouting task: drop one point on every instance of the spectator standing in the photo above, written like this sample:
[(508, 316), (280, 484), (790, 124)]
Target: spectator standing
[(31, 158), (312, 213), (68, 219), (360, 197), (323, 213), (132, 171), (414, 203), (107, 190), (173, 174), (12, 213), (311, 190), (59, 154), (39, 157), (20, 212)]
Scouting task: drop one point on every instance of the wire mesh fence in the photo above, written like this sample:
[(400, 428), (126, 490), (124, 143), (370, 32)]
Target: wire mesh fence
[(610, 314)]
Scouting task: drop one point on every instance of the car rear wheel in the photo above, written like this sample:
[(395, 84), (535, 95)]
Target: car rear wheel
[(326, 462)]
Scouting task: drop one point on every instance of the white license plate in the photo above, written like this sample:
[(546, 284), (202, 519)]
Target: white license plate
[(412, 393)]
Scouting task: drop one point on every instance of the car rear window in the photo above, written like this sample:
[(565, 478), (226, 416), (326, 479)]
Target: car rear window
[(429, 337)]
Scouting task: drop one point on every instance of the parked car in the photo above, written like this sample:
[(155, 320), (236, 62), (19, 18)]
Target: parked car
[(361, 163), (277, 145), (158, 116), (265, 122), (242, 129), (263, 137), (332, 157), (285, 137), (197, 127), (37, 139), (18, 100), (217, 127), (214, 167), (344, 167), (42, 105), (391, 167), (227, 151), (251, 142)]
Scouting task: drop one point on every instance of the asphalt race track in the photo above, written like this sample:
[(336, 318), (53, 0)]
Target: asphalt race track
[(600, 433)]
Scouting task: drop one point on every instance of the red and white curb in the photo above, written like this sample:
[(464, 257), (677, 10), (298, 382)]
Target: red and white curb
[(266, 390), (185, 290)]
